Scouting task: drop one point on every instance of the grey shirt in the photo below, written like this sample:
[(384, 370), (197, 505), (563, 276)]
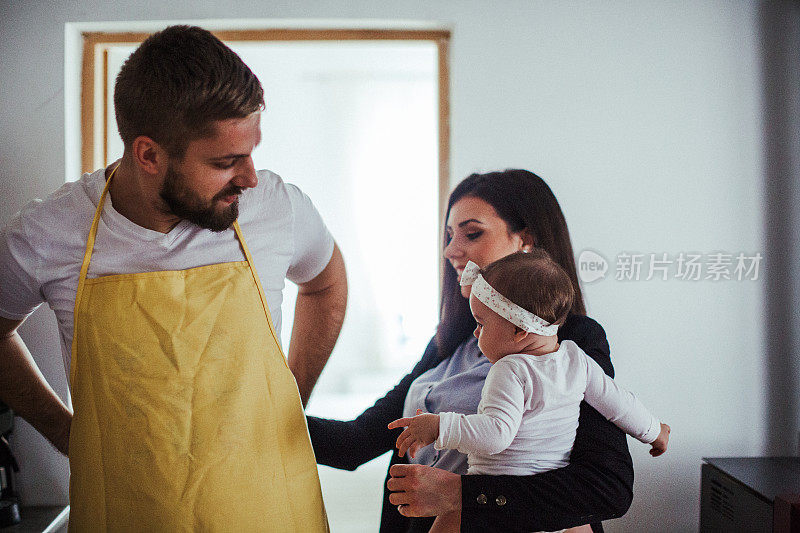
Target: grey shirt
[(453, 385)]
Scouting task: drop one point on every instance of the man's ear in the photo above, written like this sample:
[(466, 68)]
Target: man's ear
[(149, 156), (520, 334)]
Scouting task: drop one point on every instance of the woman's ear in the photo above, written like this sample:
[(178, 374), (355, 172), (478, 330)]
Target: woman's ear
[(528, 240)]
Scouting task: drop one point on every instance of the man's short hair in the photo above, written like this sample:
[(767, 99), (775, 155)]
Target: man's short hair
[(177, 83)]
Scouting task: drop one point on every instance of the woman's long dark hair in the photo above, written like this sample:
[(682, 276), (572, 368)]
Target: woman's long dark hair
[(523, 200)]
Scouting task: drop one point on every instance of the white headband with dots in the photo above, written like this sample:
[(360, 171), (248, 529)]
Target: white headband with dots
[(520, 317)]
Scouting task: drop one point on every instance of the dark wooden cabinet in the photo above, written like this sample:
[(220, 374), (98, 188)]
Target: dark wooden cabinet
[(752, 494)]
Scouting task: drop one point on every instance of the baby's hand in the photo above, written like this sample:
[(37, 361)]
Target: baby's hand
[(659, 445), (420, 431)]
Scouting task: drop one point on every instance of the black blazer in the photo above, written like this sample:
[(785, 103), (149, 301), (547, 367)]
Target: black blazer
[(596, 485)]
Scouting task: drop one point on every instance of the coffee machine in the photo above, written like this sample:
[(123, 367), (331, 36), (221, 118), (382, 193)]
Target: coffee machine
[(9, 501)]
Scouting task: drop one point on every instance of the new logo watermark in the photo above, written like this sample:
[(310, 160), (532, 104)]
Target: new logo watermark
[(683, 266), (591, 266)]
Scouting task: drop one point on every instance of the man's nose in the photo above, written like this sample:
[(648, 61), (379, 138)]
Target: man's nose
[(247, 177)]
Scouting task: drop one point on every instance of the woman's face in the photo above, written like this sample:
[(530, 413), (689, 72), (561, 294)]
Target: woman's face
[(478, 234)]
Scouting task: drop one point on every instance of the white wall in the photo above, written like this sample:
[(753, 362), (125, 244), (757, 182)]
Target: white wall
[(645, 118)]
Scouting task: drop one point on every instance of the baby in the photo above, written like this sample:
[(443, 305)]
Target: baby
[(528, 414)]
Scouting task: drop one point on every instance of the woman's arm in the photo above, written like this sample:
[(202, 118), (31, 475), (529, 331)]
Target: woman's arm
[(349, 444), (596, 485)]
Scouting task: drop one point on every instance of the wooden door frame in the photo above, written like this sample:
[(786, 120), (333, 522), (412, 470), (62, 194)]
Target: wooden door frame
[(93, 43)]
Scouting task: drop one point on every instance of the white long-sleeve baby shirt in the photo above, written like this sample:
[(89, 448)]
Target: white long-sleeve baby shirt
[(528, 414)]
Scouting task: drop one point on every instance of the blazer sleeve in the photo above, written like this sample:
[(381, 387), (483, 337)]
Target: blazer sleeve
[(597, 484), (349, 444)]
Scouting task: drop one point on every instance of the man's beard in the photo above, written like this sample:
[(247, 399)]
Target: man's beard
[(186, 204)]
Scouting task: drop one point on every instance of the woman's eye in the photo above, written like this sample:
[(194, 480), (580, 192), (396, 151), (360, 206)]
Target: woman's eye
[(474, 235)]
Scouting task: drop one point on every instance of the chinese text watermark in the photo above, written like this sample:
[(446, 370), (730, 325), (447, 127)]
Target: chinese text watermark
[(683, 266)]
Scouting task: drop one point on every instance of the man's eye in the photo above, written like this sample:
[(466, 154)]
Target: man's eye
[(225, 164), (474, 235)]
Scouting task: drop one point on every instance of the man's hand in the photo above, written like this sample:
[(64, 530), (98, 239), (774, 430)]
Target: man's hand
[(659, 445), (318, 317), (420, 431), (419, 490)]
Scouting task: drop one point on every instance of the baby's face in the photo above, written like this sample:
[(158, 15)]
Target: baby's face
[(495, 334)]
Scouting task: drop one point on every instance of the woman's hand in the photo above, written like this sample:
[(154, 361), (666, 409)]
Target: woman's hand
[(659, 445), (420, 431), (419, 490)]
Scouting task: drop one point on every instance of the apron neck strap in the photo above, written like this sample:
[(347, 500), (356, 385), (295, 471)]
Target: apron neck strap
[(87, 255)]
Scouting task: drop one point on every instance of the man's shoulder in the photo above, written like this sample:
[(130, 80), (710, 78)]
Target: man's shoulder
[(67, 207), (272, 187), (273, 196), (49, 232), (267, 179)]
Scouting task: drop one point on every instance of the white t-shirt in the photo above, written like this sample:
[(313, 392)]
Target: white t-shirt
[(42, 247), (528, 414)]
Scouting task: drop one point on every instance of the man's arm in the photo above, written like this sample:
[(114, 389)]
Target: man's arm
[(333, 439), (318, 317), (24, 389)]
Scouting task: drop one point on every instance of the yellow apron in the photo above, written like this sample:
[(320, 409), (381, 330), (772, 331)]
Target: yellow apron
[(187, 417)]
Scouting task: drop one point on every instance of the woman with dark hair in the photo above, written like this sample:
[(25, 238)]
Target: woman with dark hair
[(488, 217)]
